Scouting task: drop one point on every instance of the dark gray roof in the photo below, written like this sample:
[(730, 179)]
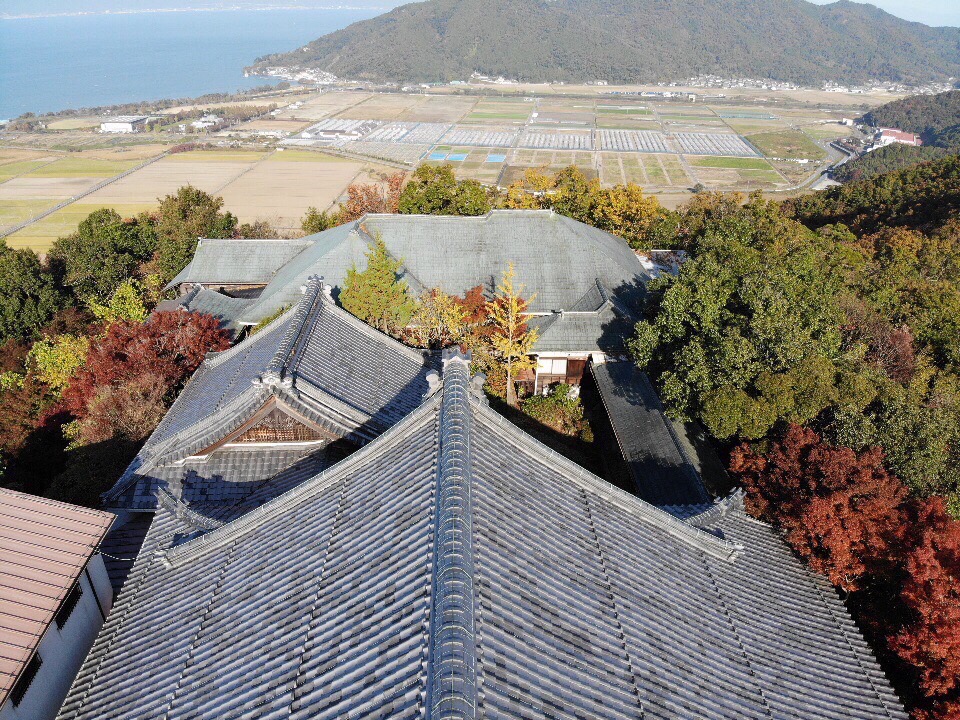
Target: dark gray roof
[(660, 468), (456, 568), (234, 261), (568, 265), (223, 307), (317, 361)]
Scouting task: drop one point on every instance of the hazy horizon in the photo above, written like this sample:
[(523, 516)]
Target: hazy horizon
[(929, 12)]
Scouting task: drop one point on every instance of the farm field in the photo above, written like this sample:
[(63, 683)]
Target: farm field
[(75, 123), (276, 186), (787, 144), (665, 145)]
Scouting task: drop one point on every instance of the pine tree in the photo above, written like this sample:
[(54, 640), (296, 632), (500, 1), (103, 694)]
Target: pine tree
[(511, 339), (377, 295)]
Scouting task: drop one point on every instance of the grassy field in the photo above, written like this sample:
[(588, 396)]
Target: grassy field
[(16, 211), (218, 156), (729, 162), (75, 123), (71, 167), (20, 167), (601, 110), (787, 144), (41, 235)]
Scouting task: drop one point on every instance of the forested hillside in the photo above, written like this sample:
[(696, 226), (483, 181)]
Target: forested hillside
[(930, 116), (922, 196), (936, 118), (632, 41)]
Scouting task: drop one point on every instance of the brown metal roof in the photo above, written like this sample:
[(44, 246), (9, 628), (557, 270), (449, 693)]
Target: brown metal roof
[(44, 546)]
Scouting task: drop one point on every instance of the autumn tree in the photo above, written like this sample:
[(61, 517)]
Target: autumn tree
[(841, 510), (377, 295), (117, 387), (182, 218), (622, 210), (105, 250), (28, 295), (258, 229), (439, 320), (435, 190), (511, 339), (930, 640), (365, 198)]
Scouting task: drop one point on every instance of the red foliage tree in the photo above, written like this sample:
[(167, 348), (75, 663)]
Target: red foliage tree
[(842, 511), (931, 642), (168, 347), (363, 198)]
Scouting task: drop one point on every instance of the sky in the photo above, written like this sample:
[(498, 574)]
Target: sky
[(931, 12)]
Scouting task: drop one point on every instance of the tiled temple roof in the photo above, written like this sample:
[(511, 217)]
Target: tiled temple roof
[(568, 265), (661, 471), (316, 361), (455, 567)]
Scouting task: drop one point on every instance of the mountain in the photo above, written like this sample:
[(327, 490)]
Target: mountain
[(632, 41)]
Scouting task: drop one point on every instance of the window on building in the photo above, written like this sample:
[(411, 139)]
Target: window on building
[(26, 679), (69, 603)]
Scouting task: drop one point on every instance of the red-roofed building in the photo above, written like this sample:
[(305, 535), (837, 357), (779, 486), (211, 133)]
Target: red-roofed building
[(888, 136), (54, 597)]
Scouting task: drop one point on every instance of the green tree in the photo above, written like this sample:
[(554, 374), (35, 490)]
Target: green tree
[(434, 190), (511, 339), (55, 360), (748, 333), (376, 295), (105, 250), (184, 217), (126, 303), (315, 221), (28, 295)]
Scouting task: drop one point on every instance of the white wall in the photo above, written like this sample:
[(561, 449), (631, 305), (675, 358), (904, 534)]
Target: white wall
[(63, 650)]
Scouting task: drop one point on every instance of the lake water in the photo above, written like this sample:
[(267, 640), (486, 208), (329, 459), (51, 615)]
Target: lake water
[(54, 63)]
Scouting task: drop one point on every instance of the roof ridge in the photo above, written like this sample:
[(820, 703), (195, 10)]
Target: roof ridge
[(250, 521), (275, 371), (227, 241), (451, 672), (214, 359), (697, 537), (185, 513)]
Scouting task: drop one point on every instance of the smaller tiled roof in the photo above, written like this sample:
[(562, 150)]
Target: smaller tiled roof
[(44, 546), (662, 472), (209, 302), (316, 360), (235, 261)]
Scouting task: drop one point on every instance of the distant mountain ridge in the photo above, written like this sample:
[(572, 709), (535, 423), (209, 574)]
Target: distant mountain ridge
[(631, 41)]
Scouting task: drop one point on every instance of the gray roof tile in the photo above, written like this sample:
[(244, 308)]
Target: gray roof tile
[(455, 567), (661, 470), (566, 264), (234, 261), (317, 360)]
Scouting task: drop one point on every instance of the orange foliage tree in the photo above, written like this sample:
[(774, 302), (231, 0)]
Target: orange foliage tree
[(898, 557)]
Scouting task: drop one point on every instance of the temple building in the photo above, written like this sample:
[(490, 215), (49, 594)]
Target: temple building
[(586, 285), (334, 525)]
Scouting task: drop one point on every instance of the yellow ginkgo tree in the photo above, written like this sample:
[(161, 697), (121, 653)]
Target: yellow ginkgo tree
[(511, 339)]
